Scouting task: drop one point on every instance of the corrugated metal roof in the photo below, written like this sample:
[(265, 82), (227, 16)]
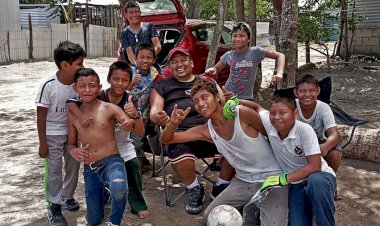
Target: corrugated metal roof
[(39, 13), (370, 9), (9, 15)]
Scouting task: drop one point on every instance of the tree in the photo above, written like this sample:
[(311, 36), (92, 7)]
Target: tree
[(277, 12), (312, 29), (239, 10), (193, 11), (217, 34), (288, 39)]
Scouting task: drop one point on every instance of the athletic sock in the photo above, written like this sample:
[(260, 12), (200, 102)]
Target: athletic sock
[(194, 184), (221, 181)]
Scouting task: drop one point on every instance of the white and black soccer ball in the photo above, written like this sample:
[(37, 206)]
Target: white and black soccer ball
[(224, 215)]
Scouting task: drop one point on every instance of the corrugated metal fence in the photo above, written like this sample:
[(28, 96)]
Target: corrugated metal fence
[(14, 45)]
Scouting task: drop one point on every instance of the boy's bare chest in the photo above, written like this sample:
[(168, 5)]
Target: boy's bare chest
[(101, 121)]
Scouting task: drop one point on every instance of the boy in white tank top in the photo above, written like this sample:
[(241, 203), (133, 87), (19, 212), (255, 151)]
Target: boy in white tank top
[(242, 143)]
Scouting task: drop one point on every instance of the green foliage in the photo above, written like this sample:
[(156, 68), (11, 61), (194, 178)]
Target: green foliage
[(313, 16), (209, 9)]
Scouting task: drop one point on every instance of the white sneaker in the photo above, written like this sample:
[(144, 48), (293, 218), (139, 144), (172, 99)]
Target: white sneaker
[(110, 224)]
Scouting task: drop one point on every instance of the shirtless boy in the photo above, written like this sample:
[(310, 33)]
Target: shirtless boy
[(99, 153)]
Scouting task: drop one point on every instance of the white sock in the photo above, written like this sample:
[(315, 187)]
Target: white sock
[(221, 181), (194, 184)]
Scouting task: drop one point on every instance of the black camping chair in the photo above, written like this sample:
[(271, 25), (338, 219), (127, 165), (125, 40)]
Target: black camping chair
[(159, 149), (339, 113)]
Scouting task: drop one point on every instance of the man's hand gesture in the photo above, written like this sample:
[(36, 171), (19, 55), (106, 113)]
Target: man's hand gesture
[(177, 116)]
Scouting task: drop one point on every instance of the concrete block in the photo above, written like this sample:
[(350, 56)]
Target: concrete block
[(376, 32), (365, 32), (371, 41), (358, 41)]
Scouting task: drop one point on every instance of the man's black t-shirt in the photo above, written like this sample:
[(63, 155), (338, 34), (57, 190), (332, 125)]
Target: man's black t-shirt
[(176, 92)]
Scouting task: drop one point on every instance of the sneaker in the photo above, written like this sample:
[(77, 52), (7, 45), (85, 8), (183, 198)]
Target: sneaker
[(70, 204), (217, 189), (196, 198), (55, 216), (110, 224)]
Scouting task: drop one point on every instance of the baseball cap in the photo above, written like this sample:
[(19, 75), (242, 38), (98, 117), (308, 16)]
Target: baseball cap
[(178, 50)]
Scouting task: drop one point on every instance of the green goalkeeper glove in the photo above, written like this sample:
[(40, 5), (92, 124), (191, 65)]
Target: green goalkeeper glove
[(229, 109), (275, 181)]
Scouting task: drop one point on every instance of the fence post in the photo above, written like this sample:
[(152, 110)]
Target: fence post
[(9, 46), (30, 48)]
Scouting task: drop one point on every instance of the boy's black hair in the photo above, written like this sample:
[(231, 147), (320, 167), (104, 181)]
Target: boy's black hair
[(146, 46), (206, 84), (307, 79), (131, 4), (285, 96), (69, 52), (242, 26), (119, 65), (85, 72)]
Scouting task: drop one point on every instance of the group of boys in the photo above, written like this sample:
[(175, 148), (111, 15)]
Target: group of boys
[(97, 128)]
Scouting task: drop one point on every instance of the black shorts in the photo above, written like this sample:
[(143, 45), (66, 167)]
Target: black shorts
[(192, 150)]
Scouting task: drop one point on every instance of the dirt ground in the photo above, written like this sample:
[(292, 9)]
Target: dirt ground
[(21, 170)]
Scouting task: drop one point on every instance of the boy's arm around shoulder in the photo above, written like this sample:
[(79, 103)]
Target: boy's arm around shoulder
[(127, 124), (73, 106), (253, 105), (252, 117)]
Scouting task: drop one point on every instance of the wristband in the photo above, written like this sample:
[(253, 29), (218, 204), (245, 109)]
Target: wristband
[(284, 179), (137, 117)]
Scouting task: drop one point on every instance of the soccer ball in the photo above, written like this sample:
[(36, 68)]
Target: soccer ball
[(224, 215)]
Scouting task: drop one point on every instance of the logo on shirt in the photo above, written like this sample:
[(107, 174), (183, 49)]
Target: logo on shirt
[(244, 63), (298, 150), (188, 92)]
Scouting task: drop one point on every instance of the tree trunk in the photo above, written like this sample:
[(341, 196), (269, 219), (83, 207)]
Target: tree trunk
[(217, 34), (252, 23), (341, 27), (193, 10), (364, 144), (239, 10), (277, 11), (344, 30), (288, 40), (307, 51)]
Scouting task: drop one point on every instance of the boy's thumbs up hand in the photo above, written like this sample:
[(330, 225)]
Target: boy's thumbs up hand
[(130, 108), (137, 77)]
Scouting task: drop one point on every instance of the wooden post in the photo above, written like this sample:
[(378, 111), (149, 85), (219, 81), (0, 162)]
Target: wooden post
[(9, 46), (30, 48)]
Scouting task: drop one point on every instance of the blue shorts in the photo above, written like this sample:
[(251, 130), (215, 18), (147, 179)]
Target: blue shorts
[(192, 150)]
